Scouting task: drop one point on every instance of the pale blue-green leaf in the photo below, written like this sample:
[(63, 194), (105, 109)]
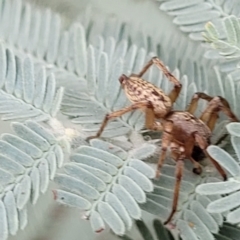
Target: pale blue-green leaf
[(98, 46), (3, 222), (119, 208), (76, 186), (6, 177), (103, 155), (40, 86), (156, 209), (29, 135), (234, 129), (35, 181), (18, 90), (236, 26), (130, 59), (91, 71), (11, 72), (127, 200), (225, 203), (164, 201), (224, 159), (111, 218), (56, 104), (115, 133), (24, 191), (15, 154), (218, 188), (23, 218), (186, 232), (142, 168), (28, 80), (71, 199), (139, 178), (196, 17), (22, 145), (103, 75), (94, 128), (34, 30), (136, 192), (54, 38), (96, 222), (74, 170), (11, 166), (50, 92), (199, 228), (236, 143), (109, 47), (37, 128), (169, 183), (44, 175), (234, 216), (120, 51), (80, 52), (25, 26), (105, 177), (88, 119), (140, 60), (22, 114), (94, 162), (59, 155), (63, 50), (3, 64), (52, 164), (11, 106), (204, 201), (173, 5), (114, 87), (168, 193), (230, 30), (11, 212), (230, 92), (6, 13), (204, 216), (44, 32), (146, 150), (106, 146)]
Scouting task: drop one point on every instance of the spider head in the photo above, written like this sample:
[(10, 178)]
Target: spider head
[(122, 79)]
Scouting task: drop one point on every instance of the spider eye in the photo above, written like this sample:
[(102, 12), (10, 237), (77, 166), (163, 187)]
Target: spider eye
[(122, 78)]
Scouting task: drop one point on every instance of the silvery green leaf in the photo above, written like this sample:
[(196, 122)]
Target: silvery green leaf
[(71, 199), (57, 102), (218, 188), (133, 188), (139, 178), (186, 232), (28, 80), (127, 200), (173, 5), (142, 167), (35, 185), (200, 228), (11, 72), (24, 191), (87, 177), (22, 217), (111, 218), (76, 186), (50, 93), (144, 151), (6, 177), (59, 155), (11, 166), (233, 216), (44, 175), (96, 221), (3, 222), (3, 64), (11, 212), (26, 133), (16, 155), (105, 156), (224, 159), (224, 204), (63, 50), (119, 208), (234, 129), (23, 145), (51, 158)]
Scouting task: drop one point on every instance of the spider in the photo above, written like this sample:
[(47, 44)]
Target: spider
[(182, 131)]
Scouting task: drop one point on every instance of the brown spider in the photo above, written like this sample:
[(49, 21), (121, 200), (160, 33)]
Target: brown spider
[(182, 131)]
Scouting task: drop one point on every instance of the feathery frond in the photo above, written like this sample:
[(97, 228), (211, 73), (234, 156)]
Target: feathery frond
[(229, 202), (107, 183), (29, 160)]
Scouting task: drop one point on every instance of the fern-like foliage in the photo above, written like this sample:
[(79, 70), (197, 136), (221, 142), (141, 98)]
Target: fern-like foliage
[(107, 183), (28, 160), (26, 90), (229, 203)]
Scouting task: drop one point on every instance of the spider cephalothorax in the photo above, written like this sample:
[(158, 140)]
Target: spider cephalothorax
[(182, 131)]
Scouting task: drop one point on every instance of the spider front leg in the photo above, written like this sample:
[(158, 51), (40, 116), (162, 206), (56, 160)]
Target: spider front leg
[(173, 95), (149, 118)]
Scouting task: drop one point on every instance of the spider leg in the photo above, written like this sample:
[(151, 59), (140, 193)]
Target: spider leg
[(177, 85), (166, 140), (203, 145), (178, 174)]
